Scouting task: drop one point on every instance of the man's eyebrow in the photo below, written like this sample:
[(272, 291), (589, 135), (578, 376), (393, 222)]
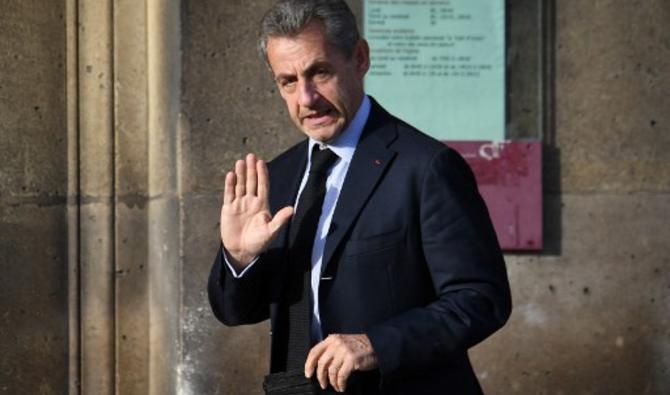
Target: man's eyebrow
[(283, 76), (316, 65), (311, 69)]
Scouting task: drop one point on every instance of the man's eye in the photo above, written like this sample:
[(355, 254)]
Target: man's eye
[(322, 74), (287, 84)]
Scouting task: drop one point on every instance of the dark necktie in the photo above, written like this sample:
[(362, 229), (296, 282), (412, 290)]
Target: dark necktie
[(301, 240)]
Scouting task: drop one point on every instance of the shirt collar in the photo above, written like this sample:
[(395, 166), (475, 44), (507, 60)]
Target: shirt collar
[(345, 145)]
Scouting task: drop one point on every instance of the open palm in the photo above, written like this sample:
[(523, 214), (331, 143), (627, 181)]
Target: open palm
[(247, 226)]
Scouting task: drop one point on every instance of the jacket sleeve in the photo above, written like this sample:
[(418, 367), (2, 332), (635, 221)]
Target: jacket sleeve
[(467, 271), (243, 300)]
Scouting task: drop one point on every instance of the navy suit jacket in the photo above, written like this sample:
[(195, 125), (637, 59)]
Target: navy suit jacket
[(411, 259)]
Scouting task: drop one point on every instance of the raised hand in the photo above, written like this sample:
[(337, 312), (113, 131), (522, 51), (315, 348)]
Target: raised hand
[(247, 227)]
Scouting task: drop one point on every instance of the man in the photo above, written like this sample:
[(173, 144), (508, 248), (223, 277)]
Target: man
[(403, 271)]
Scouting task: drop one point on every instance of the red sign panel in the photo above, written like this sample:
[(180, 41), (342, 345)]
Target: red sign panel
[(509, 175)]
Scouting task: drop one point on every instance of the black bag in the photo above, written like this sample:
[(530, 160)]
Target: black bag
[(294, 382), (289, 383)]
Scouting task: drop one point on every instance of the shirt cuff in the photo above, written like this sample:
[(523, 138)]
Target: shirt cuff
[(232, 269)]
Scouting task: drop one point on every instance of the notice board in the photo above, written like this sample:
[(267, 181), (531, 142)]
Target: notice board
[(439, 64)]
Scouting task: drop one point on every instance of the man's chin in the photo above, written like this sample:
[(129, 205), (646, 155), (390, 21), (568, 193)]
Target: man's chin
[(323, 134)]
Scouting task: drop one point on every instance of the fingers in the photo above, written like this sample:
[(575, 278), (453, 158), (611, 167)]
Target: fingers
[(323, 367), (229, 188), (263, 180), (241, 178), (335, 358), (313, 357), (251, 175), (280, 219), (343, 374), (332, 362), (333, 372)]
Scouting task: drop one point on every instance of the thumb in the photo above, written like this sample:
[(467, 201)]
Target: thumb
[(280, 219)]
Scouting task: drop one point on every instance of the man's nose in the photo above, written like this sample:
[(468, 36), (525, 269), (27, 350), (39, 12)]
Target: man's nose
[(308, 94)]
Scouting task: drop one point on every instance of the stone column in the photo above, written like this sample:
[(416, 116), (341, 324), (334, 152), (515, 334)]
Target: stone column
[(164, 206), (131, 196), (124, 213), (95, 70), (72, 121)]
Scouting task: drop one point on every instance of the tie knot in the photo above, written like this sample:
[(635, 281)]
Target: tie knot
[(322, 159)]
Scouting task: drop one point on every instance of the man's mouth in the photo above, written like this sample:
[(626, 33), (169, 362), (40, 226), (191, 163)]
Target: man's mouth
[(319, 117)]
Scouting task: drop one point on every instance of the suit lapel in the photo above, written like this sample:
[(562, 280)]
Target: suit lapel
[(370, 160)]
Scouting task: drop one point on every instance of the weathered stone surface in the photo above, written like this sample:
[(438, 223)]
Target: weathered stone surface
[(131, 194), (228, 96), (165, 233), (217, 359), (33, 299), (33, 185), (594, 319), (32, 103), (95, 143), (131, 299), (524, 74), (612, 95)]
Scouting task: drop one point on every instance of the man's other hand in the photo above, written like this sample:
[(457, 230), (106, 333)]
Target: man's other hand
[(336, 357), (247, 227)]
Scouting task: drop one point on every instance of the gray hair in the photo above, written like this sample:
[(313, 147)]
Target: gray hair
[(287, 18)]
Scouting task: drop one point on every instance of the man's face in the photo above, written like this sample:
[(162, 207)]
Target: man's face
[(321, 87)]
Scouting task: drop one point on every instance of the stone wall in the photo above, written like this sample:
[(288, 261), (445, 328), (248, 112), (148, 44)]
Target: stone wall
[(33, 207), (591, 313), (119, 119)]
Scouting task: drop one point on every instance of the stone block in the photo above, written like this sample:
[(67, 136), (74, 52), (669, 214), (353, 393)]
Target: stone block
[(33, 299), (593, 319), (611, 96)]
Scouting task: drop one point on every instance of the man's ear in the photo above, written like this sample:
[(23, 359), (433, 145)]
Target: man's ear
[(362, 57)]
